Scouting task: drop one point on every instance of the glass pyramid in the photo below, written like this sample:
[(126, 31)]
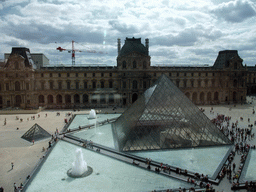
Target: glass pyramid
[(36, 132), (164, 118)]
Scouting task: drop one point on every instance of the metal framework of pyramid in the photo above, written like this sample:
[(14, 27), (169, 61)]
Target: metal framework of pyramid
[(164, 118), (36, 133)]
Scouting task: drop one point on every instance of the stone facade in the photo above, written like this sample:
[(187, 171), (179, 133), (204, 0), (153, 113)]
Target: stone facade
[(25, 86)]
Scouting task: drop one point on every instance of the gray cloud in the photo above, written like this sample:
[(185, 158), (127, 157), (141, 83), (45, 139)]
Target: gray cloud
[(123, 27), (235, 11)]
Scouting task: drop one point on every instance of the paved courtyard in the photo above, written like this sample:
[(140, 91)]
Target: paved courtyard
[(25, 155)]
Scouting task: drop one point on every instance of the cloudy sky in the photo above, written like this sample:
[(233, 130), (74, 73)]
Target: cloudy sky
[(180, 32)]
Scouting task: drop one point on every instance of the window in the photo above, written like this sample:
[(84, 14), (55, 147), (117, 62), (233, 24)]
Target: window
[(110, 74), (93, 74), (124, 64), (59, 74), (185, 74), (85, 85), (27, 86), (144, 84), (102, 74), (110, 84), (185, 83), (206, 74), (192, 83), (154, 74), (42, 85), (67, 74), (42, 75), (170, 74), (60, 85), (192, 74), (93, 84), (17, 86), (7, 86), (51, 85), (134, 64), (76, 74), (134, 84), (124, 84), (178, 74), (77, 85), (199, 74), (68, 85), (177, 83), (84, 74), (102, 84), (50, 74)]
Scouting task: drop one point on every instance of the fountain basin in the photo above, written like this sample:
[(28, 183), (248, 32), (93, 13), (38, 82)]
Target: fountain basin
[(85, 174)]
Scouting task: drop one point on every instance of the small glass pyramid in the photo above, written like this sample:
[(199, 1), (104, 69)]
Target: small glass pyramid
[(36, 132), (164, 118)]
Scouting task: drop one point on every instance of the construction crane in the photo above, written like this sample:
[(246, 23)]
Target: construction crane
[(73, 51)]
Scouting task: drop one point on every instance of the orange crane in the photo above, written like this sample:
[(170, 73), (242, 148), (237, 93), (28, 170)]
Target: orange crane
[(73, 50)]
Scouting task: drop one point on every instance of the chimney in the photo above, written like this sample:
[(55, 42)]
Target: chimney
[(146, 43), (118, 46)]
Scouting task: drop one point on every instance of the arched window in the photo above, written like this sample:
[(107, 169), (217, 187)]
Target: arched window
[(76, 98), (17, 86), (134, 65), (41, 99), (134, 84), (124, 64)]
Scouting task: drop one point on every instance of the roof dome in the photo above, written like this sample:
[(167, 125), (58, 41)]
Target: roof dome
[(133, 45)]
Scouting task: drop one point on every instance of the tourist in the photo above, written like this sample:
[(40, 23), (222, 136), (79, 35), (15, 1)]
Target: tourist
[(12, 164)]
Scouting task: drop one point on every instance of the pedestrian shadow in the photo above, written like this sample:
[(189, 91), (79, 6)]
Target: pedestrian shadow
[(9, 170)]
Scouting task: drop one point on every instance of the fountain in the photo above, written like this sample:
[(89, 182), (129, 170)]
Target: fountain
[(79, 166), (92, 114)]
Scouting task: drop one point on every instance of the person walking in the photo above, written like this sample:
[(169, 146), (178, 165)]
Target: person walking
[(12, 165)]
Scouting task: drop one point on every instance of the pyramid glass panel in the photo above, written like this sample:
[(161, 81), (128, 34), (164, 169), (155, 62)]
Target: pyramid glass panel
[(164, 118), (36, 132)]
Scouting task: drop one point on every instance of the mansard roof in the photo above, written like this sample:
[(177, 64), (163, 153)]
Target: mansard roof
[(133, 45), (224, 58), (25, 53)]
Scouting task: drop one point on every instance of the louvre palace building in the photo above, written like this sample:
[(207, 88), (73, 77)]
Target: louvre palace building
[(26, 82)]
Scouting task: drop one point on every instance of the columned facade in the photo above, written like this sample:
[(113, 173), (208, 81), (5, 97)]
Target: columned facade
[(24, 86)]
